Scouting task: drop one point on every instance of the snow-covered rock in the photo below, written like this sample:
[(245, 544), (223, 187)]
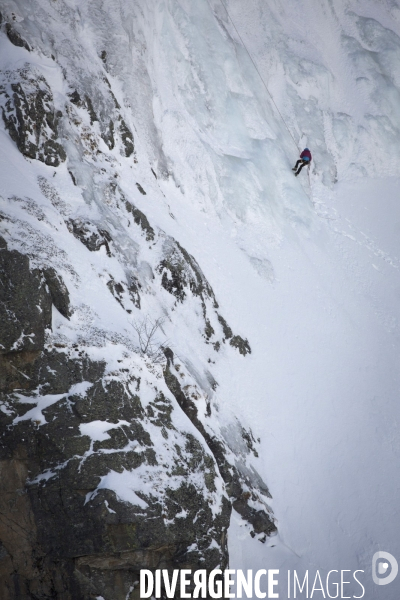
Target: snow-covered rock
[(110, 428)]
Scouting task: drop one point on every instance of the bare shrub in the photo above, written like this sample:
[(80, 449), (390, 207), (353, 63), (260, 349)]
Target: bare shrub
[(150, 345)]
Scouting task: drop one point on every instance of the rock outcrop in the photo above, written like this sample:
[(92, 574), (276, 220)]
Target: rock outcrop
[(112, 457), (30, 117), (67, 426)]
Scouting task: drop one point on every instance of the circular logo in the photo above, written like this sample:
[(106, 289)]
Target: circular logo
[(384, 568)]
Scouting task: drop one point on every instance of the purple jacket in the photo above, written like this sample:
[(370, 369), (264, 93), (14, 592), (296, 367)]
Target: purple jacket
[(306, 155)]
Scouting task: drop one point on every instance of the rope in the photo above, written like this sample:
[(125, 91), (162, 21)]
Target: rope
[(259, 74)]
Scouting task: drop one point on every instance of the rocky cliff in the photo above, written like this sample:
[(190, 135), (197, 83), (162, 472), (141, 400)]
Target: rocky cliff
[(113, 455)]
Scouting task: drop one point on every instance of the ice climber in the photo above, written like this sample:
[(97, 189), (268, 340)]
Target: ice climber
[(305, 159)]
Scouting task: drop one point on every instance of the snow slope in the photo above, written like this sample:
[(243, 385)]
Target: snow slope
[(321, 387), (307, 269)]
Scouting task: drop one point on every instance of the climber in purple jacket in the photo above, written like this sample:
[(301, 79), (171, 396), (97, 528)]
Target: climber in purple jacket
[(305, 159)]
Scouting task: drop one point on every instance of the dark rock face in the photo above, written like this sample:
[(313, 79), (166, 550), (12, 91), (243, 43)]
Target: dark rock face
[(108, 136), (235, 340), (181, 275), (26, 297), (29, 114), (58, 292), (124, 294), (111, 128), (239, 487), (242, 345), (225, 328), (25, 303), (141, 190), (87, 233), (180, 270), (91, 111), (126, 137), (63, 532), (15, 37), (79, 540), (141, 220)]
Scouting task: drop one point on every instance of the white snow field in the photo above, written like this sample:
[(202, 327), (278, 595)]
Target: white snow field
[(321, 303), (307, 269)]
